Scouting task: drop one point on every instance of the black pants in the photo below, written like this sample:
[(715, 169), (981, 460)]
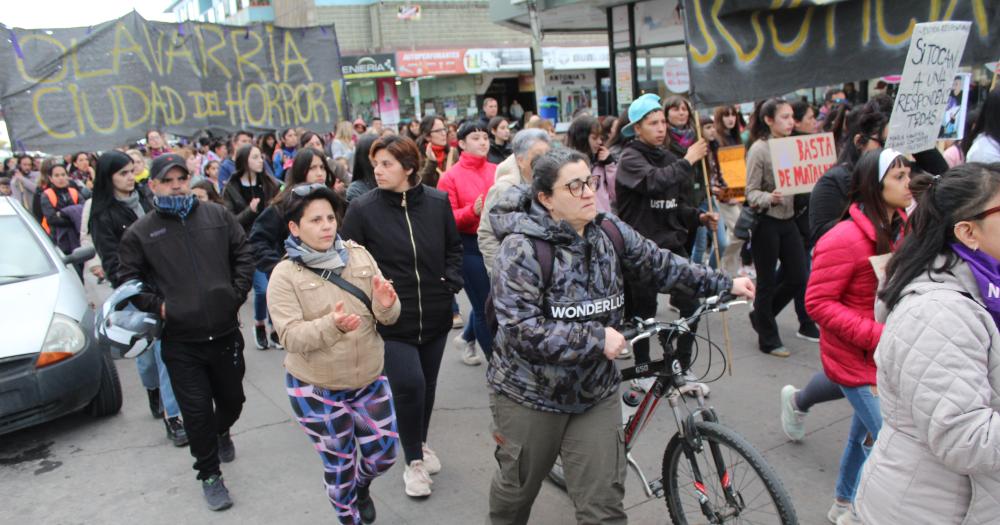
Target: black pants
[(208, 382), (412, 371), (802, 222), (776, 240), (640, 301)]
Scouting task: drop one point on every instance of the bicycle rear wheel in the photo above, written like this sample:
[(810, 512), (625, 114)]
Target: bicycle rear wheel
[(758, 495)]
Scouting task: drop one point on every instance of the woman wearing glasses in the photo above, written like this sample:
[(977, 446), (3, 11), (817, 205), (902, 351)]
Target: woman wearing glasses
[(553, 376), (433, 145), (937, 457), (410, 231), (326, 300)]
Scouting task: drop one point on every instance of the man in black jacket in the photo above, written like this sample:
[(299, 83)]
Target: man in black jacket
[(194, 258)]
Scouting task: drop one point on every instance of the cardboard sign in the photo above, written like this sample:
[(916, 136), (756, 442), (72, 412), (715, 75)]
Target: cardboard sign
[(800, 161), (928, 74), (733, 165)]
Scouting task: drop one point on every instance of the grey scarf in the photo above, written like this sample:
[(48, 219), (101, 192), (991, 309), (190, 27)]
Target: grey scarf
[(132, 203), (333, 259)]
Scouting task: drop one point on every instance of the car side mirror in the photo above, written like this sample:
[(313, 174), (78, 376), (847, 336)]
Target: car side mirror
[(79, 255)]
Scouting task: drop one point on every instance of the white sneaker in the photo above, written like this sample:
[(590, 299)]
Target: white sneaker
[(836, 511), (468, 350), (431, 460), (417, 480), (849, 518), (793, 421)]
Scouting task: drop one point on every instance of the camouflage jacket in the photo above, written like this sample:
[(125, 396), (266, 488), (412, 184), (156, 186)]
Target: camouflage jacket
[(549, 347)]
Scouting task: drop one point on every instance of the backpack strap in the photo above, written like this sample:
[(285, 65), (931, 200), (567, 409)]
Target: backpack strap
[(613, 233), (543, 254)]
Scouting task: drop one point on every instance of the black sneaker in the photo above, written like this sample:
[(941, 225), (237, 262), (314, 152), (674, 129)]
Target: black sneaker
[(216, 493), (809, 332), (176, 432), (227, 451), (366, 507), (261, 334), (274, 339), (155, 407)]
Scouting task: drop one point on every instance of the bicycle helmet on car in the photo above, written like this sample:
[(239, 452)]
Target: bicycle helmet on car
[(124, 330)]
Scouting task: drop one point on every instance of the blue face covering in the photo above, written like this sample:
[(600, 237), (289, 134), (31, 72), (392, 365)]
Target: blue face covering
[(178, 205)]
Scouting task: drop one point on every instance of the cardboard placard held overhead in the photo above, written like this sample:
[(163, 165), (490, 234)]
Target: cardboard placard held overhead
[(800, 161), (733, 165), (935, 53)]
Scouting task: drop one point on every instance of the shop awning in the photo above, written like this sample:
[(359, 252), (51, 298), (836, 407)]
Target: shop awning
[(557, 16)]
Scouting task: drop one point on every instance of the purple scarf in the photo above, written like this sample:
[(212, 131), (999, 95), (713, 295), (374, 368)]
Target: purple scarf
[(986, 270), (683, 137)]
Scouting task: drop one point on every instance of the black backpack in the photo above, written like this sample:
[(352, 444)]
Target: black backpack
[(543, 253)]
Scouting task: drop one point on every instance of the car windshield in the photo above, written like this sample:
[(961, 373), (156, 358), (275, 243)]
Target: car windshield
[(22, 257)]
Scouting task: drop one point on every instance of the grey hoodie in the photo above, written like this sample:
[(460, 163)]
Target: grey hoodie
[(549, 348)]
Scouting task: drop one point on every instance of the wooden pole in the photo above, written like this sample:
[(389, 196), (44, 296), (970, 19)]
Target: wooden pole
[(996, 71), (693, 117)]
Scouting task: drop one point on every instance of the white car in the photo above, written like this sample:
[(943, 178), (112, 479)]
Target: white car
[(50, 363)]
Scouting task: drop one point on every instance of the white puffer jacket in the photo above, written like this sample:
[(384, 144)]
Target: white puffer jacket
[(937, 457)]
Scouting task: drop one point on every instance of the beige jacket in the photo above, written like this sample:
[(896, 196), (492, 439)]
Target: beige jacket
[(760, 183), (937, 457), (301, 305), (508, 175)]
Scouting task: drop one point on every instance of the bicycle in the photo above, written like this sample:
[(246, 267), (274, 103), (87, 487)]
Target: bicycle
[(726, 496)]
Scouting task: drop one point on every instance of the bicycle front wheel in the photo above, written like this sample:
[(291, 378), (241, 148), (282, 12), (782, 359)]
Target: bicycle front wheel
[(757, 495)]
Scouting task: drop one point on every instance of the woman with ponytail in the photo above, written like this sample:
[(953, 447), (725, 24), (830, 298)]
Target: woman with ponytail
[(937, 458), (841, 298), (776, 236)]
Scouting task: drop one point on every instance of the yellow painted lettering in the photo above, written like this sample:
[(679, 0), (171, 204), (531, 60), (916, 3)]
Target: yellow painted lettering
[(273, 96), (252, 89), (790, 48), (74, 91), (242, 59), (336, 88), (61, 70), (316, 95), (979, 14), (741, 55), (234, 105), (156, 53), (121, 34), (709, 54), (831, 33), (184, 51), (77, 72), (36, 108), (210, 54), (92, 122), (866, 21), (127, 121), (270, 44), (288, 101), (288, 61)]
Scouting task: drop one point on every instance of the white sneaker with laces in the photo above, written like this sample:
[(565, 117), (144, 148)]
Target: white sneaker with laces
[(837, 510), (849, 518), (793, 421), (468, 350), (431, 460), (417, 480)]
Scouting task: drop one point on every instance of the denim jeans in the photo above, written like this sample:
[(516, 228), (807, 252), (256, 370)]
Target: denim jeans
[(701, 239), (259, 296), (867, 421), (477, 287), (153, 374)]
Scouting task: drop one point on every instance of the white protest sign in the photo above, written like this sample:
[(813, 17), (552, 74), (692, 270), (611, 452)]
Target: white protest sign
[(800, 161), (935, 53)]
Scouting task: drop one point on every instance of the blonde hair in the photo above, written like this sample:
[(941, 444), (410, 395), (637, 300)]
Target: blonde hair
[(344, 132)]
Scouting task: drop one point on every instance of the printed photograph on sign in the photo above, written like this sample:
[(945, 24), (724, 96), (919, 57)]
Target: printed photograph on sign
[(800, 161), (953, 121)]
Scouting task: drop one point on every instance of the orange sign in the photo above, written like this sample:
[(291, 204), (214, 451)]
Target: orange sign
[(732, 163)]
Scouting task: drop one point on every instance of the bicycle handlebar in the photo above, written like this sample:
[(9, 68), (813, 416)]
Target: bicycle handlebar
[(644, 329)]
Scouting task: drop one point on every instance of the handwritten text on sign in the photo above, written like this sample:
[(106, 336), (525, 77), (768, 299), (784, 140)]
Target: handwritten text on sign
[(800, 161), (935, 53), (96, 88)]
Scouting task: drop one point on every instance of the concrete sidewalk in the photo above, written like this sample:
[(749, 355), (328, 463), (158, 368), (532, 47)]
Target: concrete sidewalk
[(122, 469)]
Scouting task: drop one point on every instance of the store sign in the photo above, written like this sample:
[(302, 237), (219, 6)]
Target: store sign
[(368, 66), (430, 62), (584, 79), (496, 60), (623, 79)]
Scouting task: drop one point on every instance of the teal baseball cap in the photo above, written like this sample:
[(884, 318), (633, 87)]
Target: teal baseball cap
[(638, 109)]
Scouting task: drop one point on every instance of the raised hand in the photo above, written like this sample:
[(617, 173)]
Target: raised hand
[(343, 321), (383, 292)]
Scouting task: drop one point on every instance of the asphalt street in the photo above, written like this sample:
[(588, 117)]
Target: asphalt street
[(122, 469)]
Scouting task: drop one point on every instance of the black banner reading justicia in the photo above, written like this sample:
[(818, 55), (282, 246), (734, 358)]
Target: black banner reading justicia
[(743, 50), (95, 88)]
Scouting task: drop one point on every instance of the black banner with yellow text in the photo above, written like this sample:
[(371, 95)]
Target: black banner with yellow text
[(95, 88), (744, 50)]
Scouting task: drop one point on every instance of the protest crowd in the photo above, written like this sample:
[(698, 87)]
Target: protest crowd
[(353, 242)]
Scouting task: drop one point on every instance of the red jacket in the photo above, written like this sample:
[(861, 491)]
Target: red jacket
[(470, 178), (840, 297)]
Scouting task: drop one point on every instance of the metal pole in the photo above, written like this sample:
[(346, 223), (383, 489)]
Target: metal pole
[(537, 61)]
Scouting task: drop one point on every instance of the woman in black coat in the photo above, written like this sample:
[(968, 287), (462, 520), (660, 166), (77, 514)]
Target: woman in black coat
[(410, 230)]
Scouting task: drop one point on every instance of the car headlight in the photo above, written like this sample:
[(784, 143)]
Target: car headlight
[(64, 339)]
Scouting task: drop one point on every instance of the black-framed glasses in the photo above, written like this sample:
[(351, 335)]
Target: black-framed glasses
[(986, 213), (881, 143), (305, 190), (575, 186)]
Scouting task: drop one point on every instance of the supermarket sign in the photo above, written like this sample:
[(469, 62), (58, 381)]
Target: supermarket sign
[(464, 61)]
